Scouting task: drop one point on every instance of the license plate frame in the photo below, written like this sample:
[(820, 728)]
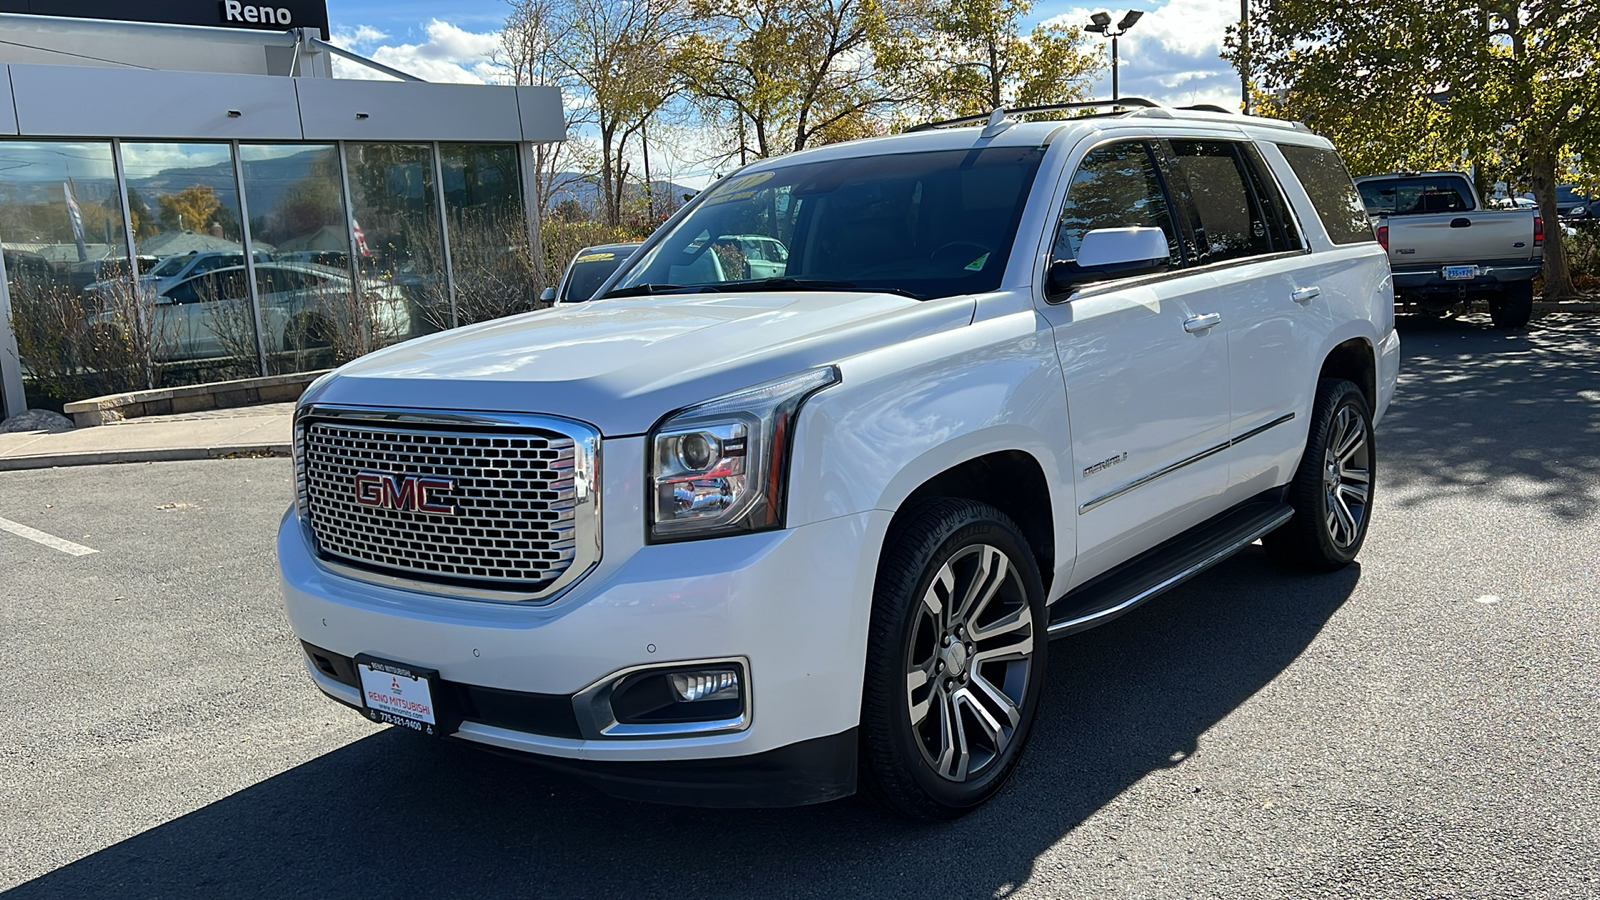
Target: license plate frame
[(394, 693), (1460, 273)]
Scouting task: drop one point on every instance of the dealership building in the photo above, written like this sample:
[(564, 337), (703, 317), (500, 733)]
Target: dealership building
[(205, 194)]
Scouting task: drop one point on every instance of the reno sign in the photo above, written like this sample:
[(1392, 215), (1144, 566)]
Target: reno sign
[(234, 11), (271, 15)]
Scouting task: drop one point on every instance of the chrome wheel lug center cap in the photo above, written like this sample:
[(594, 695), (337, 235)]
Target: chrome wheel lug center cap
[(954, 658)]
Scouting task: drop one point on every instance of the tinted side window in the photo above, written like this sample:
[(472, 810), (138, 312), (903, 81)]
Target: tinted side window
[(184, 293), (1333, 194), (1232, 224), (1116, 186), (1285, 234)]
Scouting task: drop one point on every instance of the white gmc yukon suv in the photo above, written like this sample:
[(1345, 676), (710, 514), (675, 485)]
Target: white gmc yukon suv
[(728, 540)]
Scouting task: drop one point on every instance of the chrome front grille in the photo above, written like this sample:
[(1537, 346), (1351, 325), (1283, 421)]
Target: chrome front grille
[(520, 515)]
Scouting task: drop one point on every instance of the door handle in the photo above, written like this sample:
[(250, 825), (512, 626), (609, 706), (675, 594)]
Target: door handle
[(1306, 294), (1199, 323), (1462, 222)]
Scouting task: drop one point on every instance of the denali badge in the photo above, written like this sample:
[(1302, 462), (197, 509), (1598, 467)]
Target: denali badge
[(411, 492), (1104, 464)]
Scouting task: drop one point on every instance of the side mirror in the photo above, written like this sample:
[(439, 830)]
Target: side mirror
[(548, 295), (1111, 253)]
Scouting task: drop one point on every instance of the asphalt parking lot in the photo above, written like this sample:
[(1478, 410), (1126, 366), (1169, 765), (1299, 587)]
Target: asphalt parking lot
[(1425, 724)]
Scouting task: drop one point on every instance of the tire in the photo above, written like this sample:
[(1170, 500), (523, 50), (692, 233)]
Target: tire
[(1513, 306), (1332, 489), (942, 727)]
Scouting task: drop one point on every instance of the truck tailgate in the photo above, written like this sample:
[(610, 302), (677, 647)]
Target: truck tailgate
[(1478, 235)]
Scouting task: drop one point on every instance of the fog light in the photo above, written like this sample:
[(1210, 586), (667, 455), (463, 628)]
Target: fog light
[(710, 684)]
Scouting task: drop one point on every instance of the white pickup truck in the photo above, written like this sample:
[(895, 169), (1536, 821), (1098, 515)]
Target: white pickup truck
[(1447, 246), (728, 540)]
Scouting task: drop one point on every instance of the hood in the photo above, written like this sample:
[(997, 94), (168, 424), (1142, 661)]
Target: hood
[(621, 364)]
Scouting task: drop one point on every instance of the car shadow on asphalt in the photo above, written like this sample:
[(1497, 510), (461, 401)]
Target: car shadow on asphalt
[(395, 814), (1512, 413)]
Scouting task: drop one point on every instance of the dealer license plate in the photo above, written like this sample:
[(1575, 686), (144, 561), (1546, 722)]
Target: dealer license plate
[(398, 694), (1460, 273)]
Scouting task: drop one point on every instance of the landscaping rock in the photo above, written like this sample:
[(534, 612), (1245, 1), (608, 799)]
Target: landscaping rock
[(36, 420)]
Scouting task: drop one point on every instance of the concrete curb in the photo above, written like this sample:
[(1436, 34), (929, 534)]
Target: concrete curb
[(190, 398), (1581, 306), (163, 454)]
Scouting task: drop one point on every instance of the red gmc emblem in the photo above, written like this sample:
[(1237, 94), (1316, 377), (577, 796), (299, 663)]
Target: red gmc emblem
[(406, 492)]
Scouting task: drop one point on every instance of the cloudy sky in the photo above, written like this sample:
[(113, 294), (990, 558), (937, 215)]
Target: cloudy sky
[(1171, 55)]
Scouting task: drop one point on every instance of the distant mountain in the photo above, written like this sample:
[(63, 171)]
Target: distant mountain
[(585, 191)]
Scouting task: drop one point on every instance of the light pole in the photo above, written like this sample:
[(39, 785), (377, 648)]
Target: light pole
[(1244, 54), (1100, 23)]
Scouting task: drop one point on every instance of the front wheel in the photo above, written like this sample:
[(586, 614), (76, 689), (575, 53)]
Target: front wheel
[(955, 660), (1332, 489)]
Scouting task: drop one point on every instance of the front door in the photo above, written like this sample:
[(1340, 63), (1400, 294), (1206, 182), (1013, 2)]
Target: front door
[(1145, 363)]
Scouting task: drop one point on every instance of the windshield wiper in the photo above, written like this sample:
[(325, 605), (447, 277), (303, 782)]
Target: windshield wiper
[(787, 283), (642, 290)]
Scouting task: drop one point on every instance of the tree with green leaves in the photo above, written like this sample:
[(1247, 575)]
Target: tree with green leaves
[(781, 75), (1508, 87), (620, 56), (966, 57)]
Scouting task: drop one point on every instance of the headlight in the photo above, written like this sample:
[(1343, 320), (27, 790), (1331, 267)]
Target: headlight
[(723, 467)]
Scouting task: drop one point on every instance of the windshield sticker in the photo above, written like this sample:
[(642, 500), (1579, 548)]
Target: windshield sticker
[(977, 264), (740, 188), (595, 257)]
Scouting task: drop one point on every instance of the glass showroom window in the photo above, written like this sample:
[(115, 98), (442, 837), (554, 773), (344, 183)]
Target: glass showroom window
[(488, 230), (184, 206), (311, 316), (66, 261), (399, 248)]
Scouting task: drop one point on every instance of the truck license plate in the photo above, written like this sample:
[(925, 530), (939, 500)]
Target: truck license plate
[(1460, 273), (396, 694)]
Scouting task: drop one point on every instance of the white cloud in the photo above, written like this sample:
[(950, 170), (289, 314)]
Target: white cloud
[(450, 54), (1171, 55), (360, 35)]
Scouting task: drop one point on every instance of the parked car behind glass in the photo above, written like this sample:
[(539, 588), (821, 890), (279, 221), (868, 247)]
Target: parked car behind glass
[(302, 305)]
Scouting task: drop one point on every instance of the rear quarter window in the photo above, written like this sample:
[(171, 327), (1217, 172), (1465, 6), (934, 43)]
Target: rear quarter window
[(1333, 195)]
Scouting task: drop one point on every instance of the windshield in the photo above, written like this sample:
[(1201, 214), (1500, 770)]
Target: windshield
[(590, 269), (928, 224)]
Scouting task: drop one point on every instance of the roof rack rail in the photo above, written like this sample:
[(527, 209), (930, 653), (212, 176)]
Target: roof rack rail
[(1208, 107), (989, 117)]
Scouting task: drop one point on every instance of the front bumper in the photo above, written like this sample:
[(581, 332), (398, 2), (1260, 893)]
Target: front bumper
[(794, 604)]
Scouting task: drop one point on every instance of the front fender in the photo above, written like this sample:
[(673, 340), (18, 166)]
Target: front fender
[(905, 413)]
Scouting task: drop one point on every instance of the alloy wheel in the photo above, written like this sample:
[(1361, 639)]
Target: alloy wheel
[(1347, 478), (969, 661)]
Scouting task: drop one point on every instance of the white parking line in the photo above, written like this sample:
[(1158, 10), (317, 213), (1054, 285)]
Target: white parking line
[(49, 540)]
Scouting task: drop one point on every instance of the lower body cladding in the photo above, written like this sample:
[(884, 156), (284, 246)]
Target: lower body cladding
[(723, 672)]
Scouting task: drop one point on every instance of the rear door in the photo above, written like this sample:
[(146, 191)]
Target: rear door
[(1146, 371), (1250, 242)]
